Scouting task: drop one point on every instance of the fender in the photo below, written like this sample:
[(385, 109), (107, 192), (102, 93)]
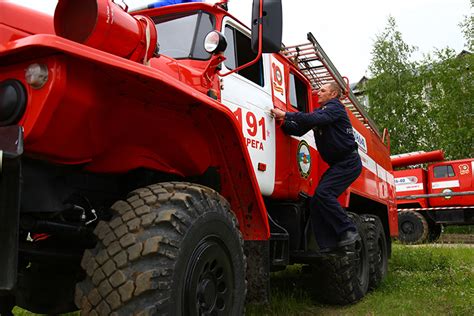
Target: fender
[(173, 128)]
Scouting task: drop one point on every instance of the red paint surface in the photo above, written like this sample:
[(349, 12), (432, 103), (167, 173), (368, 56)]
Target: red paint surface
[(109, 114)]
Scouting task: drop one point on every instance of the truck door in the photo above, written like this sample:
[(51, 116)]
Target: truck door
[(304, 161), (247, 94), (468, 169), (466, 180), (444, 178)]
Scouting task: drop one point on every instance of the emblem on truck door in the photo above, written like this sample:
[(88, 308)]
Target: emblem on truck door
[(304, 159), (278, 80), (464, 169)]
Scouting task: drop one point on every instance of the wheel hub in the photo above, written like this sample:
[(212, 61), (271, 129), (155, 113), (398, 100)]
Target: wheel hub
[(408, 227), (207, 293), (209, 279)]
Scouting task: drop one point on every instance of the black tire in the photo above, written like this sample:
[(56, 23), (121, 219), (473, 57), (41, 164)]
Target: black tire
[(412, 227), (344, 279), (378, 251), (434, 232), (170, 249)]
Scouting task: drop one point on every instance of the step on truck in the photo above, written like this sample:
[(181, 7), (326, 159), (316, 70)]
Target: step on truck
[(430, 198), (142, 172)]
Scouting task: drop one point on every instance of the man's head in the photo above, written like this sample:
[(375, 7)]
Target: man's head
[(329, 91)]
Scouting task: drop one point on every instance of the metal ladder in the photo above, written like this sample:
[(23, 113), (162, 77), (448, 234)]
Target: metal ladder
[(313, 62)]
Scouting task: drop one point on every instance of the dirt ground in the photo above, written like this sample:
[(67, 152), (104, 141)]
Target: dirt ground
[(456, 239)]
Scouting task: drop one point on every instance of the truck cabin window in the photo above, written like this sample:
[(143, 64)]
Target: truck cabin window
[(181, 36), (298, 94), (239, 52), (443, 171)]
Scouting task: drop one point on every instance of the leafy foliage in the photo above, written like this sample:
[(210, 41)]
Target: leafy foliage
[(426, 105), (467, 27), (449, 85), (392, 92)]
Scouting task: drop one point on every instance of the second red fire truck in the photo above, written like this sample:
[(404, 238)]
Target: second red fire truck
[(427, 199)]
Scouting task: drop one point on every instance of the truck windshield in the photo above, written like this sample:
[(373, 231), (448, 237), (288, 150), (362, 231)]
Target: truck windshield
[(182, 35)]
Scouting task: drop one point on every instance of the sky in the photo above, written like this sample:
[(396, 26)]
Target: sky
[(346, 29)]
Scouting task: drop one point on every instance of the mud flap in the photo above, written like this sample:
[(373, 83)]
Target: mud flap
[(258, 271), (11, 149)]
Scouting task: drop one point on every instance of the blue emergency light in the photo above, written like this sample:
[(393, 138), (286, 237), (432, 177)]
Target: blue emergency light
[(162, 3)]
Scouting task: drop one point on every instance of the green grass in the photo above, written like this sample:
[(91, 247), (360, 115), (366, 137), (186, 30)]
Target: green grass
[(422, 280), (20, 312), (467, 229)]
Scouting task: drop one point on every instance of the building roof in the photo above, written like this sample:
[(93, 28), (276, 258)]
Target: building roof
[(358, 86)]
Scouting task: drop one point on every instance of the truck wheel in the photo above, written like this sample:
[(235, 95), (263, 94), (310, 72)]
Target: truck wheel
[(434, 231), (170, 248), (377, 247), (412, 227), (344, 279)]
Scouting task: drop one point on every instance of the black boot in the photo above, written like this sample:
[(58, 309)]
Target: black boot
[(347, 238)]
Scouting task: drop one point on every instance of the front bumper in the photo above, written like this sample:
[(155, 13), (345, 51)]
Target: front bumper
[(11, 149)]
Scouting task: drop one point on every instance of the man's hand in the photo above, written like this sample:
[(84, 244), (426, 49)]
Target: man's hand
[(278, 114)]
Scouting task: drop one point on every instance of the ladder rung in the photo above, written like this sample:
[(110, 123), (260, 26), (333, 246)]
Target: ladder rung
[(318, 69)]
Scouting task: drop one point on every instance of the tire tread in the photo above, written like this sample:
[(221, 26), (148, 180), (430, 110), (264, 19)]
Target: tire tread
[(338, 275), (377, 266), (128, 241)]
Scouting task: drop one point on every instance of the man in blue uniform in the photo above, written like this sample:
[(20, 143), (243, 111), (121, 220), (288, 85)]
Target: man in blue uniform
[(336, 144)]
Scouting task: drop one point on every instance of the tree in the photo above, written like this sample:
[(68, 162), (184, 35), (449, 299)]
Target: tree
[(450, 101), (394, 92), (426, 105), (467, 27)]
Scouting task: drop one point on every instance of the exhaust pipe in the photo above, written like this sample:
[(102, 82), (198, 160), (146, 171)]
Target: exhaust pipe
[(104, 25)]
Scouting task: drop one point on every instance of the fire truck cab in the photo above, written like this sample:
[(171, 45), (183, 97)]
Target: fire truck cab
[(427, 199)]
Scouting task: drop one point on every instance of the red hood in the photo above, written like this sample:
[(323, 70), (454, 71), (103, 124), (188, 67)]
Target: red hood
[(18, 21)]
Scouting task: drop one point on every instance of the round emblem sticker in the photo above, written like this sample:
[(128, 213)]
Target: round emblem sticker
[(304, 159), (278, 75), (464, 169)]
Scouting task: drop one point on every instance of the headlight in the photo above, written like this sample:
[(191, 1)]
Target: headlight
[(215, 42), (36, 75), (12, 102)]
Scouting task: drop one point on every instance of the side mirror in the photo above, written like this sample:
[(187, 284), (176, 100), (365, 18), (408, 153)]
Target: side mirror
[(272, 24)]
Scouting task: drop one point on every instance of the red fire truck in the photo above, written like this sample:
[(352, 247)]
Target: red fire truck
[(427, 199), (142, 172)]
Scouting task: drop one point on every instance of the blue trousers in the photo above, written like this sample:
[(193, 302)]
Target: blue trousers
[(329, 220)]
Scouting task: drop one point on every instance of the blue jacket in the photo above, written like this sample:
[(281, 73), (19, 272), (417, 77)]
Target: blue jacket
[(331, 126)]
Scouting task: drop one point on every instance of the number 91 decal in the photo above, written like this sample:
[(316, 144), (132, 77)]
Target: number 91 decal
[(253, 127)]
